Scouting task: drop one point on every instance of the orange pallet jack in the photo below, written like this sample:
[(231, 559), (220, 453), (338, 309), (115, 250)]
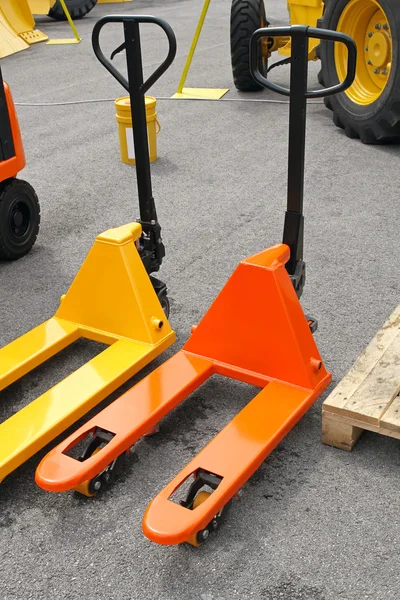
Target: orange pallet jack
[(113, 299), (255, 331)]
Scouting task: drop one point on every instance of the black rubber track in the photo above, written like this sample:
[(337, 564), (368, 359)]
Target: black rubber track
[(246, 17), (77, 9), (374, 123)]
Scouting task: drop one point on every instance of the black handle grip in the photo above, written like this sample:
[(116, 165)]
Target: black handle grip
[(135, 19), (305, 32)]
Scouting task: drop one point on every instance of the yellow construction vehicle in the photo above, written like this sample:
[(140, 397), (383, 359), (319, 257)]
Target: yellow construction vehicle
[(370, 108), (17, 25)]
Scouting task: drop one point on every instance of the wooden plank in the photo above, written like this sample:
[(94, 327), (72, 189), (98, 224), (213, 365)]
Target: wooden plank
[(391, 418), (376, 393), (366, 362), (338, 433), (334, 430)]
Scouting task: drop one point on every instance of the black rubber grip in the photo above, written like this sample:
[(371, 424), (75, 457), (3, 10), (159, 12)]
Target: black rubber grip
[(305, 32), (135, 19)]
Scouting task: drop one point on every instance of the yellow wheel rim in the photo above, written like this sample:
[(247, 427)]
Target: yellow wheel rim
[(200, 498), (83, 488), (367, 24)]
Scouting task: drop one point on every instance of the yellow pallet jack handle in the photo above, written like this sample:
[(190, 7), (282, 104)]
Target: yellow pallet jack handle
[(74, 40)]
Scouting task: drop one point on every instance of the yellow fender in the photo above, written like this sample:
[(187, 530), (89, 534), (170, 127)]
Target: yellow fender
[(17, 27), (304, 12), (10, 42)]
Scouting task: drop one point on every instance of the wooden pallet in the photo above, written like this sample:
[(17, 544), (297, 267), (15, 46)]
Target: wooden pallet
[(368, 397)]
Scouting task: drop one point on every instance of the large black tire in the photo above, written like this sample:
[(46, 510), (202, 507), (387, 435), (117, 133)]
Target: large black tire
[(77, 9), (19, 218), (379, 120), (246, 17)]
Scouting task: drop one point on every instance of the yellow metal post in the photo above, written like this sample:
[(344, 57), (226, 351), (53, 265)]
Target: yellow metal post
[(193, 46), (75, 40), (187, 93)]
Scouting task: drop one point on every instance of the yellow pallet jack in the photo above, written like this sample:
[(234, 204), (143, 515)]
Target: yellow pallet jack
[(112, 300)]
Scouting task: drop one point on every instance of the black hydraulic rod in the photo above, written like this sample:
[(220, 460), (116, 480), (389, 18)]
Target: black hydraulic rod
[(139, 124), (293, 231), (151, 247)]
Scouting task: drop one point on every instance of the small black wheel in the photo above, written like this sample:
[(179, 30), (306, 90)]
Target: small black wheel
[(162, 294), (246, 17), (76, 8), (164, 301), (91, 487), (19, 218)]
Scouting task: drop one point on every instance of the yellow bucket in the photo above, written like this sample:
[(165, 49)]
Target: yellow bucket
[(124, 120)]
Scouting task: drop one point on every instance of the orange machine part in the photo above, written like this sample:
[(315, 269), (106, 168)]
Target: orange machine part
[(129, 418), (12, 166), (255, 331), (234, 454)]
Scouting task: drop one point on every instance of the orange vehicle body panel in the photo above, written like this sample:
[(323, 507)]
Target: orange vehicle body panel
[(11, 167), (255, 331)]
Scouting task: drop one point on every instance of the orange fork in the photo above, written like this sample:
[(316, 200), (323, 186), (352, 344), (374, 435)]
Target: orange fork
[(255, 331), (232, 457), (127, 419)]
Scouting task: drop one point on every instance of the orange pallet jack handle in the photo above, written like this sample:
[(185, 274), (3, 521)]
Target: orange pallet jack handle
[(293, 232)]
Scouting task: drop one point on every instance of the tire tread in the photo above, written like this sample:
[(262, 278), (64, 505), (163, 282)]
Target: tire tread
[(76, 8)]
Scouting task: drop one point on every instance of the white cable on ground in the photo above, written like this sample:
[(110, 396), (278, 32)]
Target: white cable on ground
[(157, 98)]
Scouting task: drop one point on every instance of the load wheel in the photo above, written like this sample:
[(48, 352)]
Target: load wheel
[(164, 301), (19, 218), (76, 8), (162, 294), (246, 17), (198, 538), (370, 108), (90, 487)]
